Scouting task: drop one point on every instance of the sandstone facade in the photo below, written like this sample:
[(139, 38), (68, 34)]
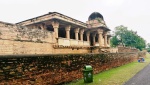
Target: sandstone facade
[(54, 33)]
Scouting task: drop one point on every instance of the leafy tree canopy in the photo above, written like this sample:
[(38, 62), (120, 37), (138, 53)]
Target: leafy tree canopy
[(148, 47), (127, 38)]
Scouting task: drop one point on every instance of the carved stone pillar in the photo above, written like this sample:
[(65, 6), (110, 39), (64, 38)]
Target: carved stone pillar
[(100, 32), (105, 39), (88, 36), (81, 34), (76, 33), (68, 31), (94, 35), (55, 25)]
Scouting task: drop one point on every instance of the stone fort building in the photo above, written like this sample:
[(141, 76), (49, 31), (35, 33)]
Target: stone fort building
[(64, 35)]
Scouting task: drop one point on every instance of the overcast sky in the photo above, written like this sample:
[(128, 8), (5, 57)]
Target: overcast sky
[(134, 14)]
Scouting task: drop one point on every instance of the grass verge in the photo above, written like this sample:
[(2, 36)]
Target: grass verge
[(116, 76)]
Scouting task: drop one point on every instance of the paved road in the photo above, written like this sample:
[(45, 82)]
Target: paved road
[(141, 78)]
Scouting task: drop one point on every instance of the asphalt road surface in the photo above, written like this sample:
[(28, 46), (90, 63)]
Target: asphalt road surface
[(141, 78)]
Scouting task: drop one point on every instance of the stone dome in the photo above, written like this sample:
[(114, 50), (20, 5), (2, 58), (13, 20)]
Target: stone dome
[(95, 15)]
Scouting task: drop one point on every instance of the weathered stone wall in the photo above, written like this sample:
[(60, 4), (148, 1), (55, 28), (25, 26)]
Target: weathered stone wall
[(114, 50), (71, 50), (8, 47), (127, 49), (56, 69), (11, 32), (142, 53), (6, 32)]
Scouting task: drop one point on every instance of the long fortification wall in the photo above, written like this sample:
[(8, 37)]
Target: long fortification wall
[(56, 69)]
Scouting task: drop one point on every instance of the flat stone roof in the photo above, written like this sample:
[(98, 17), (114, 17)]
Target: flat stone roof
[(50, 16)]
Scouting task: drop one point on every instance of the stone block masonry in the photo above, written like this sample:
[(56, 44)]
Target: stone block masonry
[(56, 69), (8, 47), (11, 47)]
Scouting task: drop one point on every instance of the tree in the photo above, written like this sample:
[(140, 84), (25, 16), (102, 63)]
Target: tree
[(148, 47), (127, 38), (114, 41)]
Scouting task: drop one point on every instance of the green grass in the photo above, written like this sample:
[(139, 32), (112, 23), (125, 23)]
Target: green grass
[(116, 76)]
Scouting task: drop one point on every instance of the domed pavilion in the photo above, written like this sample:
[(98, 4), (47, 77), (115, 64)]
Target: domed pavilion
[(74, 36)]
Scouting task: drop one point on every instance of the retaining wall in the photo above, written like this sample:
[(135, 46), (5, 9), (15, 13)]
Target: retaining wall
[(56, 69)]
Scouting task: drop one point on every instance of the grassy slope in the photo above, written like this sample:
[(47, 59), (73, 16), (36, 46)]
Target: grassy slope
[(116, 76)]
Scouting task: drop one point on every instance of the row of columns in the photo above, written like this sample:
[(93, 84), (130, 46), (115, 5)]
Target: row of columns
[(67, 29), (81, 32)]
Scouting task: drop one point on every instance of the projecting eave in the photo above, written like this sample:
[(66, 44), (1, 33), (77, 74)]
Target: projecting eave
[(51, 16), (100, 27), (104, 28)]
